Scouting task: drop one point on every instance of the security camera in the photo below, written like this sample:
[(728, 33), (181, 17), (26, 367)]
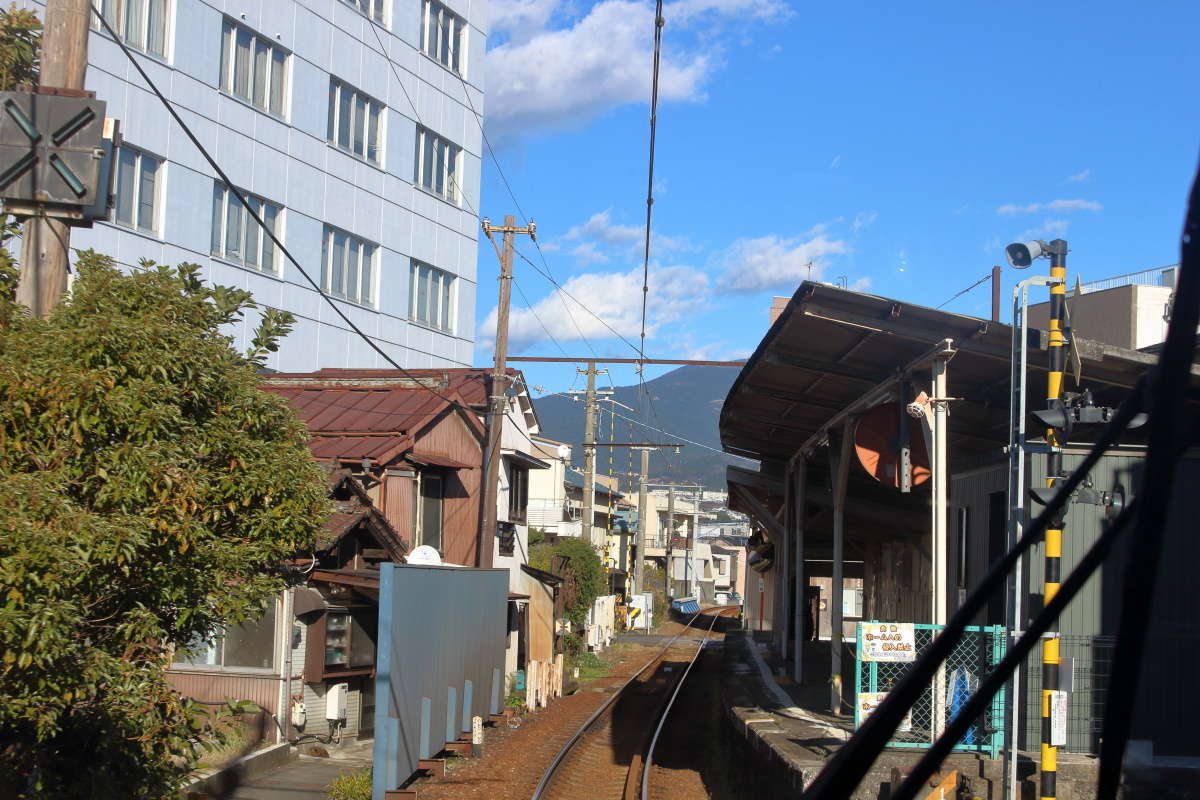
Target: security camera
[(1022, 254)]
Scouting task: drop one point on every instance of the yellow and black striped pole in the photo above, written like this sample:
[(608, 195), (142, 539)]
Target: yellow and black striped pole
[(1057, 346)]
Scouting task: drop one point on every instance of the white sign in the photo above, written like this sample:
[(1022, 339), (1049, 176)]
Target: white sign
[(424, 554), (637, 612), (762, 585), (1058, 719), (869, 701), (888, 641)]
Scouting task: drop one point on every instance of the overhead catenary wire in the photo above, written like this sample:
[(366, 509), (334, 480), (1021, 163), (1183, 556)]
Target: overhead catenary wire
[(984, 279), (658, 28)]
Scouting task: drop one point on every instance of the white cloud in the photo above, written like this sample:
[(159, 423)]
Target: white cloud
[(836, 160), (1049, 228), (772, 261), (1056, 206), (861, 285), (614, 297), (550, 77), (1078, 177), (862, 219), (587, 253), (601, 227)]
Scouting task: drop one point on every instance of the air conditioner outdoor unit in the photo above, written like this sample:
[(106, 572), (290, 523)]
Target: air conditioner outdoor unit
[(335, 702)]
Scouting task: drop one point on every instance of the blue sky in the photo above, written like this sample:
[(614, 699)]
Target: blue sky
[(900, 145)]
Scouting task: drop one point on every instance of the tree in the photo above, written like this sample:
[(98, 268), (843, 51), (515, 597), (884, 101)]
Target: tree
[(150, 493), (584, 571), (20, 41)]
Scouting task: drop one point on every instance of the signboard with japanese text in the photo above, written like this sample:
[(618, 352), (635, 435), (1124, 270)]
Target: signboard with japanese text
[(869, 701), (888, 641)]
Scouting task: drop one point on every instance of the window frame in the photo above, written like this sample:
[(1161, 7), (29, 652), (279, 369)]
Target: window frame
[(351, 246), (434, 46), (448, 173), (232, 32), (962, 544), (446, 297), (119, 20), (346, 99), (381, 8), (419, 535), (218, 241), (136, 203), (217, 644), (518, 493)]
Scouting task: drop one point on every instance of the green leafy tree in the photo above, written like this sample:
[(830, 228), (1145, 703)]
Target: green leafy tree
[(150, 493), (584, 570), (20, 39)]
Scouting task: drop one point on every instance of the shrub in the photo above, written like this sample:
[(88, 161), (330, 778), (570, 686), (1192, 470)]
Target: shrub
[(351, 786)]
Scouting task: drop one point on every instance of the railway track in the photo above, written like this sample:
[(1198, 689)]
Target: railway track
[(608, 758)]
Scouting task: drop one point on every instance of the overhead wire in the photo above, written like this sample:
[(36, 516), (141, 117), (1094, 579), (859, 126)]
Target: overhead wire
[(984, 279)]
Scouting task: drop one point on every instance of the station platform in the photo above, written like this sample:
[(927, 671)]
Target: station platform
[(787, 732)]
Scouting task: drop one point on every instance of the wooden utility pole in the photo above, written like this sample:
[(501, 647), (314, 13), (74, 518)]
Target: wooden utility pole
[(498, 405), (46, 246), (589, 455)]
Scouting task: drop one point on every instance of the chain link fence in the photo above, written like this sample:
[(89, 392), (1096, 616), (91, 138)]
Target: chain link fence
[(1089, 669), (974, 657)]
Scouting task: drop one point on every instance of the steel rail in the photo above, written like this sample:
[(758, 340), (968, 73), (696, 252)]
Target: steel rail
[(562, 754), (648, 761)]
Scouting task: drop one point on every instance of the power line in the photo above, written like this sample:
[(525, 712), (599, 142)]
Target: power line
[(532, 311), (984, 279), (258, 220), (559, 286), (658, 26)]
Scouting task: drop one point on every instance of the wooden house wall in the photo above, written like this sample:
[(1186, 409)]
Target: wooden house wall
[(451, 437)]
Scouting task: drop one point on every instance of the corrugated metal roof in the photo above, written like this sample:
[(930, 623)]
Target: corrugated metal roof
[(830, 346)]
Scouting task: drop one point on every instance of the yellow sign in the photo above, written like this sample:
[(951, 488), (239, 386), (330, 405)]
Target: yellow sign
[(888, 641)]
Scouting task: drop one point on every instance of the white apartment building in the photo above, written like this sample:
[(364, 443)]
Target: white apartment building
[(350, 123)]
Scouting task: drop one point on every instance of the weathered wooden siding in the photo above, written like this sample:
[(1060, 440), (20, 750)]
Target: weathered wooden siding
[(216, 687), (451, 437), (398, 505)]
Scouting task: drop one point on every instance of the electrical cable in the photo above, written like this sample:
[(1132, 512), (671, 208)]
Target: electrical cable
[(255, 216), (984, 279), (658, 28)]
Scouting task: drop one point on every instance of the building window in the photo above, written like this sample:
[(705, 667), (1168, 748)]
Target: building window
[(427, 509), (437, 164), (432, 297), (253, 68), (142, 24), (355, 122), (518, 493), (370, 8), (348, 266), (443, 36), (248, 646), (137, 189), (237, 237), (350, 638)]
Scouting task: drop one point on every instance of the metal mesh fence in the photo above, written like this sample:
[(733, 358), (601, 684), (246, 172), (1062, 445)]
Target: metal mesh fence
[(1089, 668), (974, 657)]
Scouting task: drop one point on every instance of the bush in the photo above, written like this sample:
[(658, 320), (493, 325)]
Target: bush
[(584, 571), (150, 493), (351, 786)]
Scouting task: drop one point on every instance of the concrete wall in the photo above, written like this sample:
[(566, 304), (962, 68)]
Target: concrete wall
[(1126, 316)]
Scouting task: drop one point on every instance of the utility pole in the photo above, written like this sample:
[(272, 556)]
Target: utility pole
[(46, 247), (589, 450), (498, 405), (639, 567), (670, 540)]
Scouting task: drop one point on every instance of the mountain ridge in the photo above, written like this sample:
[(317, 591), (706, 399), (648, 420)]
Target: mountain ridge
[(685, 403)]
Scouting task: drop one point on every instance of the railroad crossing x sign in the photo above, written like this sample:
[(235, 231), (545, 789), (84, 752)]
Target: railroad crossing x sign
[(50, 152)]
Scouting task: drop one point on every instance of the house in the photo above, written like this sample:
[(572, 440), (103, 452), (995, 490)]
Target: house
[(549, 509)]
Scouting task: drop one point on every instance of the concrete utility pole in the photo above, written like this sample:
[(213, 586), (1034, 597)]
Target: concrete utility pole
[(46, 247), (670, 540), (589, 450), (639, 567), (498, 401)]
